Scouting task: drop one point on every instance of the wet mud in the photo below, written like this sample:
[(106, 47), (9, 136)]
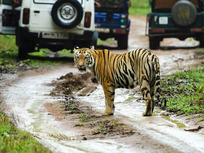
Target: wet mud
[(93, 123), (62, 108), (70, 83)]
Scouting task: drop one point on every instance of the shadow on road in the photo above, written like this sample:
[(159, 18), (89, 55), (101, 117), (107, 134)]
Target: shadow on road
[(177, 47), (56, 59)]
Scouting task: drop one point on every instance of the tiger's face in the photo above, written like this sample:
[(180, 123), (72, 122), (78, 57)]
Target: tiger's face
[(83, 58)]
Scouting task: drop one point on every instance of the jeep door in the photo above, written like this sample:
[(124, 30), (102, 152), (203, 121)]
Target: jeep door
[(9, 16)]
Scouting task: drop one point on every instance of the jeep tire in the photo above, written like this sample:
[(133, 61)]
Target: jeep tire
[(154, 42), (202, 41), (123, 41), (180, 17), (94, 39), (67, 13), (22, 52)]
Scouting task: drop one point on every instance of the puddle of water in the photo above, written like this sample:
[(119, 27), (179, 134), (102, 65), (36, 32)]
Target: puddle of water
[(97, 146), (161, 130), (179, 124), (27, 96), (25, 100), (155, 114), (178, 60), (130, 99)]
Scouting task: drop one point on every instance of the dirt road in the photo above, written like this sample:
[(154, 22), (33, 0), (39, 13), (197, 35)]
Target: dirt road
[(28, 102)]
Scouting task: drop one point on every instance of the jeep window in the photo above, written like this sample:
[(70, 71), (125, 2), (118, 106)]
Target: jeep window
[(116, 6), (7, 2), (14, 3)]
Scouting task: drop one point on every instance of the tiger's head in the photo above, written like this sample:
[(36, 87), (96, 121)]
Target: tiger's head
[(83, 58)]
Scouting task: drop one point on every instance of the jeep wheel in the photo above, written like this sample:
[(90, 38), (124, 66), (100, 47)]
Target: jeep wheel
[(22, 53), (202, 41), (184, 13), (154, 42), (123, 42), (67, 13), (94, 39)]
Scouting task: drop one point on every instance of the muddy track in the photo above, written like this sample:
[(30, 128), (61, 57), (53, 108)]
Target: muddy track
[(28, 102)]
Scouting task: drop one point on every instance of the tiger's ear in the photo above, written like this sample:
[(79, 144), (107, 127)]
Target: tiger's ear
[(92, 48), (75, 48)]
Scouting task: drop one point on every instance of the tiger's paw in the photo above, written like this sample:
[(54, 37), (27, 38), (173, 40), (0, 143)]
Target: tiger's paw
[(108, 112), (147, 114)]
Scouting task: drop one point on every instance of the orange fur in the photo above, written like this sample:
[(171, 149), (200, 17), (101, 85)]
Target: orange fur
[(122, 71)]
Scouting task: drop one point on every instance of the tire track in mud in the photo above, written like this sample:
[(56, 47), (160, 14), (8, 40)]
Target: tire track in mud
[(163, 134), (25, 100)]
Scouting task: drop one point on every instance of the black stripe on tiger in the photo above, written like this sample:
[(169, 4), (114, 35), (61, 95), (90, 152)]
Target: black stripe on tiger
[(140, 66)]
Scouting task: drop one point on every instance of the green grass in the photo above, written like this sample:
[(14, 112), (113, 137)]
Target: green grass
[(79, 124), (201, 118), (139, 7), (9, 55), (73, 107), (9, 60), (40, 54), (61, 53), (7, 42), (12, 139), (16, 141), (84, 117), (38, 63), (8, 51), (109, 40), (179, 124), (184, 91)]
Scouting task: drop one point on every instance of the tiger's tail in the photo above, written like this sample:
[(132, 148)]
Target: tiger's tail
[(157, 82)]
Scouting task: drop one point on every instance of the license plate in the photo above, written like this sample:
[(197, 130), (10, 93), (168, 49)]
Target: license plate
[(55, 35), (163, 20), (103, 30)]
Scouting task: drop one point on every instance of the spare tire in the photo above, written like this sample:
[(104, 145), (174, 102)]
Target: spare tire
[(67, 13), (184, 13)]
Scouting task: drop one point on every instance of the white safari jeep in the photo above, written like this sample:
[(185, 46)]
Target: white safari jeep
[(52, 24)]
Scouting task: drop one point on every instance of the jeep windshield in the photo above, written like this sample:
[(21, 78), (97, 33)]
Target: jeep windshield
[(15, 3), (7, 2), (116, 6)]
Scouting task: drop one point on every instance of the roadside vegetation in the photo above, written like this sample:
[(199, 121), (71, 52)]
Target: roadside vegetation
[(8, 51), (12, 139), (9, 57), (184, 91), (139, 7), (17, 141)]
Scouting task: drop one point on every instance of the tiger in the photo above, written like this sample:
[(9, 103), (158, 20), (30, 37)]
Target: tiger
[(139, 67)]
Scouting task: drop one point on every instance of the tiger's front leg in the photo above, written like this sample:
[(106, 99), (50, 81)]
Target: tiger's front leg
[(109, 92)]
